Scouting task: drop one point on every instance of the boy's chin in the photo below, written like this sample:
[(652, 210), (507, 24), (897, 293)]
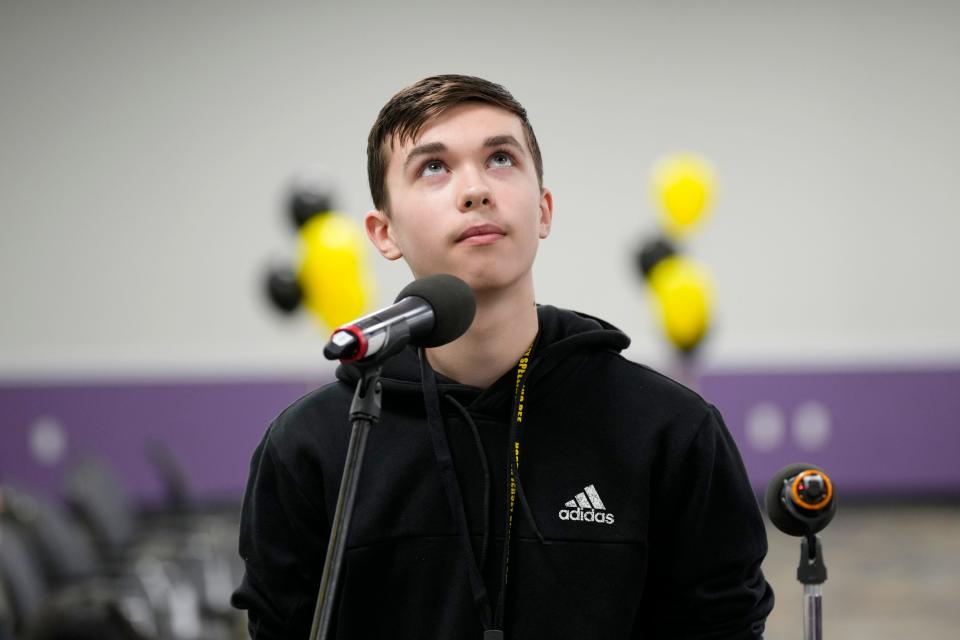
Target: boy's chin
[(481, 281), (487, 283)]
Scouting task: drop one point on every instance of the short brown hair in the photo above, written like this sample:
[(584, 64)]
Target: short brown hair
[(409, 110)]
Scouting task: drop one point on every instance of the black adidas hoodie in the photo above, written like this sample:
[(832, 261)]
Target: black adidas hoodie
[(633, 515)]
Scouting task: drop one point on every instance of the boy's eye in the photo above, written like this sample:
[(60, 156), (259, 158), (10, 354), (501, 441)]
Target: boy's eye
[(432, 168), (501, 159)]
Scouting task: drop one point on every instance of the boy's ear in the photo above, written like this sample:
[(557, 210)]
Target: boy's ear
[(546, 212), (378, 230)]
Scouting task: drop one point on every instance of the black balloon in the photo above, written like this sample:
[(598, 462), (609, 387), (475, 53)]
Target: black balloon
[(311, 194), (653, 251), (283, 289)]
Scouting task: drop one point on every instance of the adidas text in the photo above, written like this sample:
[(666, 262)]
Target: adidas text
[(586, 515)]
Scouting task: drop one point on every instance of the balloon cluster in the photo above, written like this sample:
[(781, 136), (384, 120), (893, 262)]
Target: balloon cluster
[(331, 280), (683, 189)]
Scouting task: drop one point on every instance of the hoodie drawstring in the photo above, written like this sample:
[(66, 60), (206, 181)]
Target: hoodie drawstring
[(441, 449), (486, 477)]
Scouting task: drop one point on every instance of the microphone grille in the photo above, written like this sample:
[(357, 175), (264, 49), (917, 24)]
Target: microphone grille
[(781, 516), (453, 306)]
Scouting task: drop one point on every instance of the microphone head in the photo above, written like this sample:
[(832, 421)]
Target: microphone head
[(453, 306), (800, 500)]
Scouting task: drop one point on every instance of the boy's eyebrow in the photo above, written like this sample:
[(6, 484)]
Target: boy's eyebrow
[(424, 150), (496, 141)]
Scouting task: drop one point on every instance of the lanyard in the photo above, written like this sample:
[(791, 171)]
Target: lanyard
[(520, 390)]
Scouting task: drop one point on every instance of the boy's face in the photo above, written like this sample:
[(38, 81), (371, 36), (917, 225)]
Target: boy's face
[(465, 200)]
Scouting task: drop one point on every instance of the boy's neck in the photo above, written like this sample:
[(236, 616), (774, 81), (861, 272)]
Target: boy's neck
[(504, 327)]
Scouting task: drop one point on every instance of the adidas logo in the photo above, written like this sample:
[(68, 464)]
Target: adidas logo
[(586, 506)]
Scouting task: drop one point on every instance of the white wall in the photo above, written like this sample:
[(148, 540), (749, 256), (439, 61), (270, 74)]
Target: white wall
[(145, 148)]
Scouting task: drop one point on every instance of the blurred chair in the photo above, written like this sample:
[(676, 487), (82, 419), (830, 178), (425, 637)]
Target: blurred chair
[(84, 614), (6, 615), (21, 576), (62, 548), (99, 501), (101, 565), (66, 564), (176, 486), (187, 561), (158, 587)]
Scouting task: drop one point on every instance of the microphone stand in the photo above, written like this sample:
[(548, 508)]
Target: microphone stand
[(812, 573), (364, 411), (800, 502)]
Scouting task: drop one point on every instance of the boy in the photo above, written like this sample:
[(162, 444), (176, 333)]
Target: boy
[(580, 495)]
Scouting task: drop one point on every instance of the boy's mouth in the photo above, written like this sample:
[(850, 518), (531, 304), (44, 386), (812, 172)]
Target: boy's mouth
[(481, 234)]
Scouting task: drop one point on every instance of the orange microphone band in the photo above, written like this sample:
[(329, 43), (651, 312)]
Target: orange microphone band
[(797, 486)]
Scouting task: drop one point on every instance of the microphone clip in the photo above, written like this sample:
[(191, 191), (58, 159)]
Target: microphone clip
[(811, 569)]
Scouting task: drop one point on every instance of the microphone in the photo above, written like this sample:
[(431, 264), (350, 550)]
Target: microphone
[(800, 499), (428, 312)]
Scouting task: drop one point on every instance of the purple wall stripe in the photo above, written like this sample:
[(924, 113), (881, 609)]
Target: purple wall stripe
[(211, 427), (877, 432)]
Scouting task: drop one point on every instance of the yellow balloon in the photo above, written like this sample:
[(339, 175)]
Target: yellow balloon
[(684, 186), (337, 287), (685, 300)]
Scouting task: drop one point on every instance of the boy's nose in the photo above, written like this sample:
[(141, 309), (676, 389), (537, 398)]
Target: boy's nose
[(474, 197)]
